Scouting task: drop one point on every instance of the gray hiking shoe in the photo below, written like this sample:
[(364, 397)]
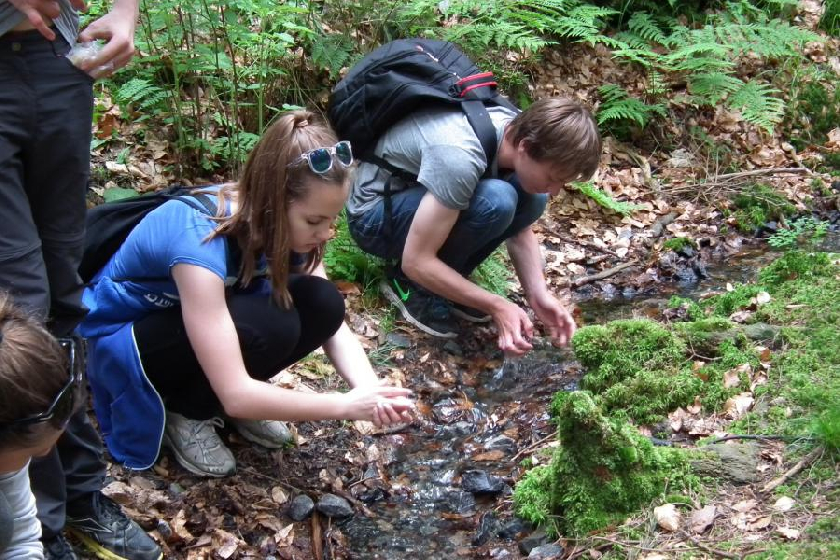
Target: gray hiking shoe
[(197, 446), (272, 434)]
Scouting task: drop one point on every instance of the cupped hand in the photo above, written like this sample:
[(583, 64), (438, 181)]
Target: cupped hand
[(559, 322), (41, 13), (381, 404), (117, 29), (515, 329)]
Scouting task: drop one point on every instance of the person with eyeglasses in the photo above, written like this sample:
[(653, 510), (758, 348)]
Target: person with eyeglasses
[(40, 388), (194, 313)]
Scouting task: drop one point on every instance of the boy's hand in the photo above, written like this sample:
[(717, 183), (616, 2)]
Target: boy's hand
[(561, 326), (515, 329), (117, 28), (41, 13)]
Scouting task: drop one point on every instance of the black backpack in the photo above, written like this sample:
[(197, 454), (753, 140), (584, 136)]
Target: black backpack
[(405, 75), (108, 224)]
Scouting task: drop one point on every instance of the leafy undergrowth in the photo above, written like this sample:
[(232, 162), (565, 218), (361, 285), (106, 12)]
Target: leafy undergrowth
[(759, 363)]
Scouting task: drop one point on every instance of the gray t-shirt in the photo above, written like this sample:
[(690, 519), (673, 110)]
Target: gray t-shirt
[(19, 511), (67, 22), (440, 147)]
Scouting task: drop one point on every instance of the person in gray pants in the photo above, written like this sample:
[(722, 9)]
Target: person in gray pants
[(46, 106)]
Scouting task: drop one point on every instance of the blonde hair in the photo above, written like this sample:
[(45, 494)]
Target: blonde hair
[(273, 177), (562, 132), (33, 370)]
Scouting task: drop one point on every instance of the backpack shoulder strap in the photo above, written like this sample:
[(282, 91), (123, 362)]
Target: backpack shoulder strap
[(482, 125)]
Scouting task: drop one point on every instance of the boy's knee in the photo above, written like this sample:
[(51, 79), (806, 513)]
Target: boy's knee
[(494, 203)]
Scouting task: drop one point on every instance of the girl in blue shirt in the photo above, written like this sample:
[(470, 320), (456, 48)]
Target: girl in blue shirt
[(181, 334)]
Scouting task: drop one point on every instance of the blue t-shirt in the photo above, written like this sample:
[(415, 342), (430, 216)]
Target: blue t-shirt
[(137, 279)]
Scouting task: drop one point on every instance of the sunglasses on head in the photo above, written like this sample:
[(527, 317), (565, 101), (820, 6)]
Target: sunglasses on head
[(320, 160), (67, 399)]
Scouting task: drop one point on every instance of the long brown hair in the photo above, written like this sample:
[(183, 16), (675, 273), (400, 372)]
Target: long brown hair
[(274, 177), (33, 370)]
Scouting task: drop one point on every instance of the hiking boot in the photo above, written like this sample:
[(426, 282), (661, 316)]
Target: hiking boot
[(57, 548), (197, 446), (470, 314), (421, 308), (272, 434), (103, 529)]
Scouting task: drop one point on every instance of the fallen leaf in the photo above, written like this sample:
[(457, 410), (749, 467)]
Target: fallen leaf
[(737, 406), (494, 455), (347, 288), (759, 524), (667, 516), (784, 503), (655, 556), (788, 533), (676, 418), (745, 506), (702, 519), (762, 298), (696, 407), (732, 378), (741, 316), (279, 496)]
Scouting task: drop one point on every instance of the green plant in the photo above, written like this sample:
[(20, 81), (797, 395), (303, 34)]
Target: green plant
[(617, 107), (759, 204), (495, 273), (676, 244), (344, 260), (802, 232), (830, 21), (604, 200)]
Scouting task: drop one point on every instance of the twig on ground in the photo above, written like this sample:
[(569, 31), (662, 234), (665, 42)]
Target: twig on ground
[(711, 550), (760, 436), (794, 470), (578, 282), (576, 241), (317, 536), (533, 447), (768, 171), (658, 227), (253, 472)]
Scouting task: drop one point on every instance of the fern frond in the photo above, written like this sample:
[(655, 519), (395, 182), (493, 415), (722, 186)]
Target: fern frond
[(758, 106), (617, 105), (644, 26), (711, 87), (331, 52), (604, 200)]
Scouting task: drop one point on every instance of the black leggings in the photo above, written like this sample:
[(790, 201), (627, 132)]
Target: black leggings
[(271, 338)]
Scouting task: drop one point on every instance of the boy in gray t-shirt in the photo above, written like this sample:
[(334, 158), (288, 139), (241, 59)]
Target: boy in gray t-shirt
[(461, 207)]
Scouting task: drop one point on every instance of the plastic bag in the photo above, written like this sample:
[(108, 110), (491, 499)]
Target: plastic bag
[(82, 52)]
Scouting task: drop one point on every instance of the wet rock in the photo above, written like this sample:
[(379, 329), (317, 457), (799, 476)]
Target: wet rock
[(447, 411), (503, 442), (453, 348), (486, 526), (609, 290), (458, 502), (628, 292), (176, 489), (479, 482), (532, 541), (398, 340), (501, 554), (334, 506), (761, 331), (735, 462), (164, 530), (514, 528), (373, 495), (547, 552), (301, 507), (686, 251)]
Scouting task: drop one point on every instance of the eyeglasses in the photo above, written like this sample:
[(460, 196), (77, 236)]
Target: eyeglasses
[(68, 397), (320, 160)]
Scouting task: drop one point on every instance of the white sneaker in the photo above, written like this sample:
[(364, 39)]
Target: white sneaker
[(272, 434), (197, 446)]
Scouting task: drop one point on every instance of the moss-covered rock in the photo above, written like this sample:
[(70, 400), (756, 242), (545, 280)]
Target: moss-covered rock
[(603, 470)]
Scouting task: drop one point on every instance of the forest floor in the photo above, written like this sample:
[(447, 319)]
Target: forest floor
[(683, 185)]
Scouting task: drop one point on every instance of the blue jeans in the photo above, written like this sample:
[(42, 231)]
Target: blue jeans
[(498, 210)]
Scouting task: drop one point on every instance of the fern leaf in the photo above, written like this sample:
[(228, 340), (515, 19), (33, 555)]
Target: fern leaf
[(711, 87), (758, 106)]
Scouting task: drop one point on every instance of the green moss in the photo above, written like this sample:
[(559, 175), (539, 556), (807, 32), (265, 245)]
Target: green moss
[(693, 311), (724, 305), (650, 395), (795, 265), (621, 349), (603, 470), (678, 243), (533, 496), (758, 205), (703, 336)]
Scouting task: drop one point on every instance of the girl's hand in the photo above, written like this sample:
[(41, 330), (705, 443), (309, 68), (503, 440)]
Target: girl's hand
[(383, 405)]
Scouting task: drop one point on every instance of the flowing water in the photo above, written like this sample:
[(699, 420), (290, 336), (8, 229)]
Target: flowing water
[(429, 515)]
